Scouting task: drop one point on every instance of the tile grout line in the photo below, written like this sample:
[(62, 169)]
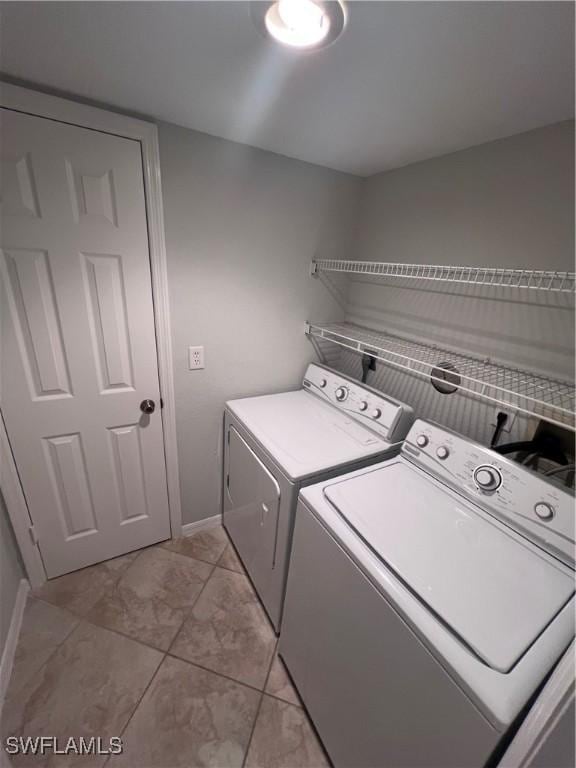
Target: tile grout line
[(188, 613), (121, 575), (165, 654), (56, 647), (208, 562), (218, 674), (85, 618), (112, 588), (145, 644), (125, 636), (259, 707), (106, 591), (262, 692), (231, 570), (45, 600), (249, 742), (169, 653), (183, 554), (137, 705), (236, 554), (257, 600), (115, 631), (301, 706)]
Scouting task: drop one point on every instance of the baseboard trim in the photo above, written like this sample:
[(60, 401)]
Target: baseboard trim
[(201, 525), (7, 661)]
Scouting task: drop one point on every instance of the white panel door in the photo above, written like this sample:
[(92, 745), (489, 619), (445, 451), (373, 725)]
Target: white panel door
[(78, 350)]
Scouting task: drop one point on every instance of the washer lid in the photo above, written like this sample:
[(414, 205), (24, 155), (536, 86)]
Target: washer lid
[(493, 591), (304, 434)]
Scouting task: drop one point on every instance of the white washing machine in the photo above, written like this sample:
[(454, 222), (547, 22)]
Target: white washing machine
[(276, 444), (428, 598)]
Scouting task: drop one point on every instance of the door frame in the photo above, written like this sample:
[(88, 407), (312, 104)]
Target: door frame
[(74, 113)]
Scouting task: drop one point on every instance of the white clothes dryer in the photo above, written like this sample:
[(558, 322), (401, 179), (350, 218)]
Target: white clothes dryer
[(276, 444)]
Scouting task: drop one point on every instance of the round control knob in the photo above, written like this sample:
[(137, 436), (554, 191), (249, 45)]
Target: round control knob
[(487, 478), (341, 394), (363, 405), (376, 413), (544, 511), (442, 452), (422, 441), (323, 383)]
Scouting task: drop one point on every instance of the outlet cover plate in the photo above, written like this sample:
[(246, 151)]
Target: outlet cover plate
[(195, 358)]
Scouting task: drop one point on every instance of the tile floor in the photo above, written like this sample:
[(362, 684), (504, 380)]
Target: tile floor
[(168, 648)]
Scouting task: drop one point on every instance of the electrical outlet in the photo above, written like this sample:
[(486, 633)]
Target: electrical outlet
[(195, 358), (509, 423)]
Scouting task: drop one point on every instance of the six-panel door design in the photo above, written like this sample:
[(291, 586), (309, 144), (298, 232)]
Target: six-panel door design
[(78, 348)]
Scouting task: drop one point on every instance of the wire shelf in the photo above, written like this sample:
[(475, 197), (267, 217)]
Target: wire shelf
[(535, 279), (534, 395)]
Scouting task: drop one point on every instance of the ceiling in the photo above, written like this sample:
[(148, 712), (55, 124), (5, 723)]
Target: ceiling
[(405, 82)]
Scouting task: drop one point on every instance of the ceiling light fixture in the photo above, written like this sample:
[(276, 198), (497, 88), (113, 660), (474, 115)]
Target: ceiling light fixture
[(303, 24)]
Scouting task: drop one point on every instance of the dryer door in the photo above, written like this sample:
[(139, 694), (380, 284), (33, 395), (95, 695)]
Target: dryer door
[(251, 506)]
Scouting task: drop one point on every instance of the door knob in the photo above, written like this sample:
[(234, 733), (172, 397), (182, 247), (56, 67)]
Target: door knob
[(147, 406)]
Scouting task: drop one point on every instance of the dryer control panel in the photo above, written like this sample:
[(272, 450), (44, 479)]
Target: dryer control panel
[(519, 497), (386, 416)]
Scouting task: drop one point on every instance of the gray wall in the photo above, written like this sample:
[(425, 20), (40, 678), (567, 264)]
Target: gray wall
[(241, 228), (11, 572), (242, 225), (509, 203)]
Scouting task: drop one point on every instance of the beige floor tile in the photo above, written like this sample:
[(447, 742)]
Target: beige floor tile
[(284, 738), (228, 631), (89, 687), (44, 628), (279, 683), (206, 545), (152, 598), (78, 591), (189, 717), (230, 560)]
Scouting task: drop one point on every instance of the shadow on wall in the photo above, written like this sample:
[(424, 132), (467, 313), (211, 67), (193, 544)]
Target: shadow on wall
[(525, 328), (531, 330), (466, 415), (507, 203)]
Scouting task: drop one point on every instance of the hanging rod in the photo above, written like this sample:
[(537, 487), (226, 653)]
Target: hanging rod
[(549, 399), (536, 279)]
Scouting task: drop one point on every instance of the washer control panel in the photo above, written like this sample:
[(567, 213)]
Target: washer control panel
[(519, 497), (389, 418), (341, 393), (487, 477), (442, 452)]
